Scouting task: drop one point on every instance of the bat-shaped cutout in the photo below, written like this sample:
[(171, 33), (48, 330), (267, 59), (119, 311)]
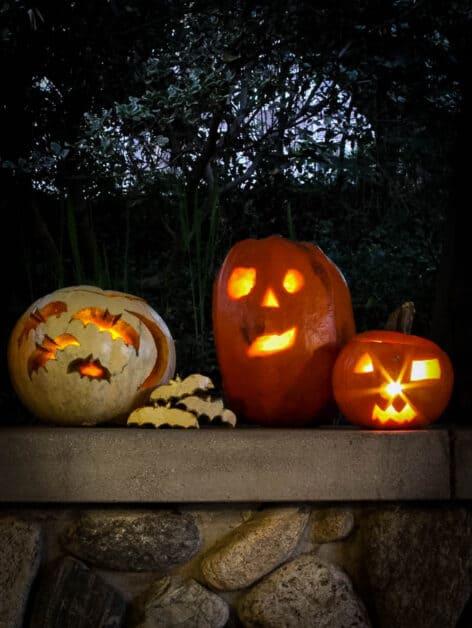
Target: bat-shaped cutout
[(88, 367), (207, 410), (48, 349), (113, 324), (162, 417), (177, 389), (38, 316)]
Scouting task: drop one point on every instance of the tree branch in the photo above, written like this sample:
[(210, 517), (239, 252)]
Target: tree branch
[(208, 151)]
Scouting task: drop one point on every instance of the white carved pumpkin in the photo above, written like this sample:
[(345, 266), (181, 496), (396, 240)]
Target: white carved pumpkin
[(82, 355)]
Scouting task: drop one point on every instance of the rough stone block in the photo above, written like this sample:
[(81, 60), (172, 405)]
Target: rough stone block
[(173, 602), (462, 440), (332, 524), (73, 596), (304, 592), (254, 548), (416, 565), (20, 555), (133, 540)]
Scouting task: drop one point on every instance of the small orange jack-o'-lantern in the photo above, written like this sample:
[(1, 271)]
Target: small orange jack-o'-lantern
[(82, 355), (390, 380), (281, 312)]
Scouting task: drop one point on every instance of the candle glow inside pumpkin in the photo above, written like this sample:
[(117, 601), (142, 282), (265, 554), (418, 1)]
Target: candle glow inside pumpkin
[(392, 380)]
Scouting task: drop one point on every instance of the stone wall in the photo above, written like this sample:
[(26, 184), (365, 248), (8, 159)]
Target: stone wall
[(393, 566)]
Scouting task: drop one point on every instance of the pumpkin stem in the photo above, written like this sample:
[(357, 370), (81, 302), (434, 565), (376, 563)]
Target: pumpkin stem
[(401, 319)]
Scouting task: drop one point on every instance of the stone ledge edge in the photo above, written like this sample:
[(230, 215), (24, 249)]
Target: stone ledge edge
[(81, 465)]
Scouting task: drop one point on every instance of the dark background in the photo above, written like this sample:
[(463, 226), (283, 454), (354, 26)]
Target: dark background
[(140, 140)]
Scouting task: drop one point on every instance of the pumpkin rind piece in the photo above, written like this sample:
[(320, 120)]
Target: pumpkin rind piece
[(177, 388), (212, 409), (161, 416)]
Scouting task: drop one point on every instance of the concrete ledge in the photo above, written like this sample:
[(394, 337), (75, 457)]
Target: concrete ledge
[(463, 464), (97, 465)]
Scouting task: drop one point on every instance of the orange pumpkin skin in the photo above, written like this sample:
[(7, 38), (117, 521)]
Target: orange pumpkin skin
[(390, 380), (281, 312)]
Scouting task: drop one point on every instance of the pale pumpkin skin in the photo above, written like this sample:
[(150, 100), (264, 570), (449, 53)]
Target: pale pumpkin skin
[(57, 394)]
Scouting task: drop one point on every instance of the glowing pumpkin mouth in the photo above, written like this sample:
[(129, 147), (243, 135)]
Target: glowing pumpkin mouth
[(405, 415), (272, 343)]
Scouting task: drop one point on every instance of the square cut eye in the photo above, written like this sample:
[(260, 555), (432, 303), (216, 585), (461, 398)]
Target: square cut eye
[(425, 369), (364, 364)]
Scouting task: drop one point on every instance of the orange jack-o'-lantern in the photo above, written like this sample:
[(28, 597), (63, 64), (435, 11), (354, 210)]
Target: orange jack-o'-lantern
[(281, 312), (82, 355), (390, 380)]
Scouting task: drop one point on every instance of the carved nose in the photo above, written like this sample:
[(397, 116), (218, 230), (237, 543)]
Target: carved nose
[(394, 389), (269, 299), (391, 392)]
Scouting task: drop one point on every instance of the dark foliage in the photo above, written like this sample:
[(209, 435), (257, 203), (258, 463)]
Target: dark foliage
[(140, 140)]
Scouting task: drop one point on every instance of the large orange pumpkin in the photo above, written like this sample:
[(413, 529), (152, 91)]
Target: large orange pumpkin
[(390, 380), (281, 313)]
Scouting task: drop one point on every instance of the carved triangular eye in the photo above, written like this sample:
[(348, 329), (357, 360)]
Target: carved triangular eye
[(364, 364)]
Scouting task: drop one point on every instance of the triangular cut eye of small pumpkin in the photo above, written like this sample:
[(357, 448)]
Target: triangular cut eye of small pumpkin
[(364, 364)]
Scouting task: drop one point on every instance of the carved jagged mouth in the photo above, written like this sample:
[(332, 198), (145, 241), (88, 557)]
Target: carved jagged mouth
[(272, 343), (405, 415)]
